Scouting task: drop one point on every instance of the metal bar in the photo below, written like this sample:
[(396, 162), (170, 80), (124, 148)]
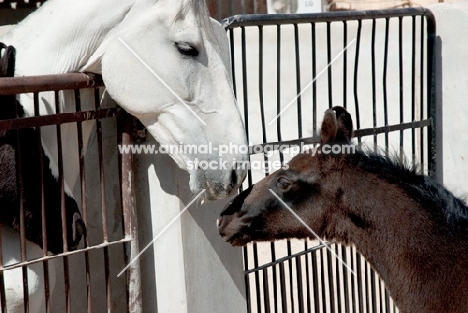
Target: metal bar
[(387, 302), (353, 285), (16, 85), (300, 289), (413, 89), (233, 64), (265, 157), (2, 289), (401, 78), (278, 19), (275, 275), (45, 264), (329, 69), (246, 280), (345, 64), (69, 253), (260, 91), (322, 280), (266, 291), (345, 278), (314, 74), (338, 285), (315, 280), (307, 276), (22, 226), (245, 96), (61, 176), (66, 274), (284, 304), (246, 124), (102, 180), (359, 282), (62, 207), (130, 218), (257, 278), (366, 286), (84, 202), (356, 134), (384, 82), (283, 259), (431, 96), (61, 118), (278, 86), (374, 92), (331, 284), (290, 266), (423, 88), (2, 279), (260, 82), (356, 67), (381, 296), (373, 291), (298, 80)]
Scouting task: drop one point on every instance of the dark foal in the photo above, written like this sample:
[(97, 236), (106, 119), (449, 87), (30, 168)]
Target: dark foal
[(24, 143), (412, 230)]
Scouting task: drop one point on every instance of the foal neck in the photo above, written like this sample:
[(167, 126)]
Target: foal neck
[(400, 222)]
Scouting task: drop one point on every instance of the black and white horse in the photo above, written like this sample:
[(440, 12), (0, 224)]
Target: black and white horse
[(21, 178)]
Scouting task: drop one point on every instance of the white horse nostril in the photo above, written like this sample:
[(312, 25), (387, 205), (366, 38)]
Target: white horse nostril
[(218, 222)]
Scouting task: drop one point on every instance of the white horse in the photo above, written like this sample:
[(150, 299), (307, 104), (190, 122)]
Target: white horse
[(178, 41)]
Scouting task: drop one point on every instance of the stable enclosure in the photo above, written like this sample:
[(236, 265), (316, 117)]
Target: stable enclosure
[(378, 65), (83, 280)]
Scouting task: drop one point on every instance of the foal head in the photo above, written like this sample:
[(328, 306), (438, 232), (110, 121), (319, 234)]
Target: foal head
[(310, 185)]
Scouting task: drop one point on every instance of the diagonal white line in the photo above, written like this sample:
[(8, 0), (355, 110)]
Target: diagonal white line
[(161, 80), (160, 233), (313, 233), (310, 84)]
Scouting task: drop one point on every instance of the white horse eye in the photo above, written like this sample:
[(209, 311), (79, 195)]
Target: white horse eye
[(186, 49)]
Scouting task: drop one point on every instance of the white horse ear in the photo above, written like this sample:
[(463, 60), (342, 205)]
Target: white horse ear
[(94, 63)]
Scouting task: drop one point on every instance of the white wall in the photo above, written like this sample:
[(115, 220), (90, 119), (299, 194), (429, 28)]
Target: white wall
[(452, 88), (189, 268)]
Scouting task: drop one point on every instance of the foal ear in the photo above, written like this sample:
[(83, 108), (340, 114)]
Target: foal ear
[(329, 127), (337, 126), (345, 125)]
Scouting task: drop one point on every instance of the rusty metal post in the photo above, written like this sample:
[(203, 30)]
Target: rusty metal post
[(130, 217)]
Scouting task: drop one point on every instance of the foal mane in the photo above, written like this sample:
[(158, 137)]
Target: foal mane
[(447, 209)]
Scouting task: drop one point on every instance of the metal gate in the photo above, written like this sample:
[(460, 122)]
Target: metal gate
[(85, 279), (379, 65)]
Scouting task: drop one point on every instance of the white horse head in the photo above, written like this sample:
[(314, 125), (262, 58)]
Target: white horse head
[(190, 55), (177, 42)]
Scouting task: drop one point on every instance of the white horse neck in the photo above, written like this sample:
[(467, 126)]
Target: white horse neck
[(61, 36)]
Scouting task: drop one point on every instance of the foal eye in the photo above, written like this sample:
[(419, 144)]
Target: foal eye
[(283, 183), (186, 49)]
